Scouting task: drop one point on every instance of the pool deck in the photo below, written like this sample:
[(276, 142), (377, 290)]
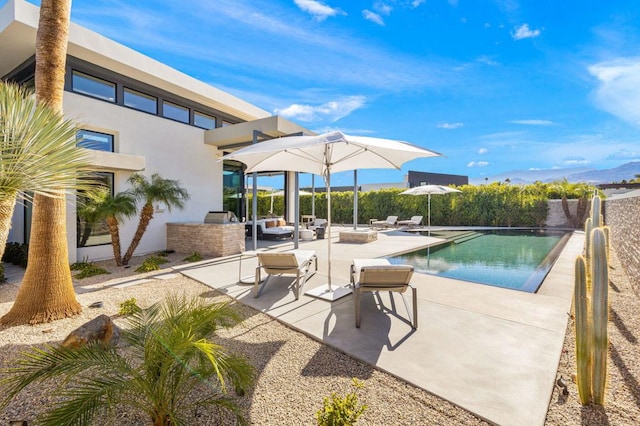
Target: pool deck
[(492, 351)]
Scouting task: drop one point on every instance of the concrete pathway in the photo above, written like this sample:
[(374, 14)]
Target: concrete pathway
[(492, 351)]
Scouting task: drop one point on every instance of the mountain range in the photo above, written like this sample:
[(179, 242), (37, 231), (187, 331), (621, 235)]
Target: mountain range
[(626, 171)]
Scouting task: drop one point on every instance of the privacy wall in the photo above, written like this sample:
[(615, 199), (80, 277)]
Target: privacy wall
[(622, 215)]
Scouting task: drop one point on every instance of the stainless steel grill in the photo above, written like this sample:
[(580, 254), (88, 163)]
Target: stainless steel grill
[(221, 217)]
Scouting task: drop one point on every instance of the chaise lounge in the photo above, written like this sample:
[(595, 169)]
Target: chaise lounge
[(291, 262), (389, 222), (373, 275), (414, 221)]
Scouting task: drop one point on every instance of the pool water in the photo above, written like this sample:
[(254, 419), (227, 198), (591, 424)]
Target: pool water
[(518, 260)]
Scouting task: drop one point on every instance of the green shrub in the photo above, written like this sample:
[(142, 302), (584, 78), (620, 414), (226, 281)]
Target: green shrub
[(338, 411), (16, 253), (79, 266), (3, 279), (194, 257), (90, 270), (129, 307), (151, 263)]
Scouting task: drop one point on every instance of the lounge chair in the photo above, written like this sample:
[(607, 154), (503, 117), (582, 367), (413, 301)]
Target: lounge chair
[(389, 222), (292, 262), (378, 275), (414, 221)]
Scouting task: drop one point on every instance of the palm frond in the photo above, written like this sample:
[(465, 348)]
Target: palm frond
[(38, 151)]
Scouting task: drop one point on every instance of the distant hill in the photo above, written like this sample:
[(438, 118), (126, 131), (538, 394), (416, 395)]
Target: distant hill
[(626, 171)]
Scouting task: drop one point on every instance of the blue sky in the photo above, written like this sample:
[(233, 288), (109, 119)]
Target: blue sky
[(494, 85)]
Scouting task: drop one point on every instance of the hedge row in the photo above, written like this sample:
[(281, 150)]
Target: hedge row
[(494, 204)]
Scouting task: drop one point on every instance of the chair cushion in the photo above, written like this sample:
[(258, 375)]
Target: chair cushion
[(270, 223), (281, 222)]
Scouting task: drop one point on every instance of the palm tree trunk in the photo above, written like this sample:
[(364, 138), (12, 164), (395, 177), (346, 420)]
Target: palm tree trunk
[(114, 230), (146, 214), (47, 293), (7, 205)]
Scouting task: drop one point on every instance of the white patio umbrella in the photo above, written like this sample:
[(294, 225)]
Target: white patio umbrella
[(322, 155), (428, 190)]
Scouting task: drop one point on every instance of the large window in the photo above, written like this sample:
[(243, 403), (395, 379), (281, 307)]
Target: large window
[(95, 140), (175, 112), (140, 101), (92, 230), (203, 120), (93, 86)]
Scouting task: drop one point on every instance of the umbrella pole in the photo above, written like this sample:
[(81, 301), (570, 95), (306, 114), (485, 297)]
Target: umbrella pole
[(329, 294), (328, 180), (429, 216)]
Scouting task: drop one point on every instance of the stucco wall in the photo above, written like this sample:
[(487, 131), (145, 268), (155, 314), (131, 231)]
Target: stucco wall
[(622, 215), (556, 217), (173, 150)]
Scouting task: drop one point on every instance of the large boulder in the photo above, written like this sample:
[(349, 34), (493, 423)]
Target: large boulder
[(100, 329)]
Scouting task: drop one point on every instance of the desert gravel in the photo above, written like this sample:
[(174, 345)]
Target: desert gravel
[(295, 372)]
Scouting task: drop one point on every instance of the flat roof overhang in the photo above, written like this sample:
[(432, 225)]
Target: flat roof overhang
[(18, 27), (103, 160), (236, 136)]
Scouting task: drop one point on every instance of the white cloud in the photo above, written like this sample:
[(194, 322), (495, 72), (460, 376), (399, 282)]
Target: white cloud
[(382, 8), (486, 60), (478, 164), (373, 17), (319, 10), (483, 151), (416, 3), (619, 88), (523, 31), (449, 126), (329, 111), (575, 161), (624, 154), (533, 122)]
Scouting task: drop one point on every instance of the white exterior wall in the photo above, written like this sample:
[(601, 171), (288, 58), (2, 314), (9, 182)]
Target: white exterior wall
[(173, 150)]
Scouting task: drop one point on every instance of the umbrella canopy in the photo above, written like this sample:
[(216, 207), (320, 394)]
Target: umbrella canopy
[(428, 190), (324, 154)]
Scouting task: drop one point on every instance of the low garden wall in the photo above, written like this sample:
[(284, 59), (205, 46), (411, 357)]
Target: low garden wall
[(622, 215), (556, 217)]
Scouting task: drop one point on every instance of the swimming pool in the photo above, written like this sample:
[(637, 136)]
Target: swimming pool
[(515, 259)]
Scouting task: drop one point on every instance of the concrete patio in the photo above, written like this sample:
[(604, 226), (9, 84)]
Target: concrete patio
[(490, 350)]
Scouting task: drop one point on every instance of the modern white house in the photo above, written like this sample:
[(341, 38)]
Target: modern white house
[(139, 115)]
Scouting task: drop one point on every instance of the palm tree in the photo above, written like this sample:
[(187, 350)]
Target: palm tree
[(101, 205), (167, 369), (38, 153), (47, 293), (156, 190)]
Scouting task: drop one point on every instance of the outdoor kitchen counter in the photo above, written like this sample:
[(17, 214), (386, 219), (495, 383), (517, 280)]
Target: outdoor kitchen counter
[(208, 239)]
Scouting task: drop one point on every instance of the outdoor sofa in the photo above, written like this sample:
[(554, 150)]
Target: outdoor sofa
[(270, 229)]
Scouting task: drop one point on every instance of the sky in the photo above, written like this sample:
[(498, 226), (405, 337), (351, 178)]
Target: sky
[(493, 85)]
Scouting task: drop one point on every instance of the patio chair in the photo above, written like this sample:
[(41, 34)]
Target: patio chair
[(292, 262), (377, 276), (389, 222), (414, 221)]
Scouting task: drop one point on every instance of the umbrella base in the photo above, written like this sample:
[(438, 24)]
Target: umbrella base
[(324, 293)]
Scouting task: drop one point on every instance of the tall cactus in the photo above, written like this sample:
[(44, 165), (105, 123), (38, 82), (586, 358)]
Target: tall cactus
[(599, 312), (596, 211), (584, 337), (592, 309), (588, 226)]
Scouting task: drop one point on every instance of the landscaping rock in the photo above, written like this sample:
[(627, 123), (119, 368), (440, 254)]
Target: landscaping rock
[(101, 329)]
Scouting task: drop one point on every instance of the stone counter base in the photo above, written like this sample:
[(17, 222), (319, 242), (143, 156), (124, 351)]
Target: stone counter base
[(207, 239)]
